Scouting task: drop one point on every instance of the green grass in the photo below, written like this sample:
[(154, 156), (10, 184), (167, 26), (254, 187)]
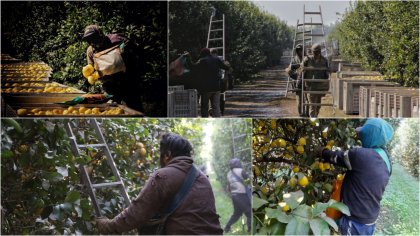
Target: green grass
[(400, 205), (224, 207)]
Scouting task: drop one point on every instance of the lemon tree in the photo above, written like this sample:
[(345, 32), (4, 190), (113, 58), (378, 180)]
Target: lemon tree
[(41, 190), (292, 188)]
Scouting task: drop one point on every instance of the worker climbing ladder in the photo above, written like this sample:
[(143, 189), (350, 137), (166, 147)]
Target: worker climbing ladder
[(90, 132)]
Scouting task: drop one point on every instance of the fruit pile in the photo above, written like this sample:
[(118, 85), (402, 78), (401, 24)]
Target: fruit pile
[(90, 74), (70, 111), (51, 89), (25, 66)]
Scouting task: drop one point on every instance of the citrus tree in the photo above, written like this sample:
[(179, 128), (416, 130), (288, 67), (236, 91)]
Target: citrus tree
[(383, 36), (292, 188), (41, 186)]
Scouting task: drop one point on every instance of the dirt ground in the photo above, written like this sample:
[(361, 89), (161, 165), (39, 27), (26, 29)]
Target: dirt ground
[(265, 98)]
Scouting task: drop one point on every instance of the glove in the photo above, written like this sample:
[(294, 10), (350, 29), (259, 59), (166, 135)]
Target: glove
[(104, 225)]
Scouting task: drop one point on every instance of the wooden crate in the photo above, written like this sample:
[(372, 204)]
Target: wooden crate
[(346, 74), (400, 103), (351, 98), (365, 97), (128, 112), (346, 66), (337, 87), (183, 103), (334, 65), (415, 110), (381, 101), (14, 98)]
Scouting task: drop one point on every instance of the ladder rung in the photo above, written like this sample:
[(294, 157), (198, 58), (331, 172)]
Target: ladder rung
[(214, 39), (245, 149), (216, 48), (106, 185), (309, 23), (213, 30), (306, 39), (312, 13), (315, 35), (316, 68), (318, 104), (308, 31), (317, 80), (91, 145), (216, 21), (317, 92), (240, 136)]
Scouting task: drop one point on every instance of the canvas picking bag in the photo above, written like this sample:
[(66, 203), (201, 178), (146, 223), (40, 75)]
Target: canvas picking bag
[(109, 61)]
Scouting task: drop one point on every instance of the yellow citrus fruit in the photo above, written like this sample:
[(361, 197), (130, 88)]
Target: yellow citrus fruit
[(292, 182), (285, 208), (321, 166), (303, 181), (264, 190), (88, 112), (290, 128), (90, 79), (300, 149), (257, 171), (324, 134), (143, 152), (22, 112), (273, 124), (327, 166), (70, 109), (287, 156), (96, 110), (296, 169), (330, 143), (281, 143), (328, 147), (301, 142), (82, 109), (289, 148), (87, 70), (340, 177), (96, 75)]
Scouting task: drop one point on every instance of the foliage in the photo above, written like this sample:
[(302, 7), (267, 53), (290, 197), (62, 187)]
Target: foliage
[(52, 32), (41, 191), (223, 149), (278, 149), (383, 36), (254, 39), (406, 145)]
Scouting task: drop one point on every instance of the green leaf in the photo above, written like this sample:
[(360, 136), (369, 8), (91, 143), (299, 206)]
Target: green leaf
[(319, 227), (63, 171), (72, 196), (278, 228), (13, 123), (339, 206), (304, 211), (319, 208), (6, 154), (297, 226), (277, 214), (293, 199), (258, 202), (56, 214), (330, 221)]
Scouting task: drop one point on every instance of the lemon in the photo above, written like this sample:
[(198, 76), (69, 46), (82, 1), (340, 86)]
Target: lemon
[(96, 110), (285, 208), (90, 79), (264, 190), (287, 156), (301, 142), (22, 112), (281, 143), (96, 75), (328, 147), (327, 166), (289, 148), (88, 112), (330, 143), (82, 110), (70, 109), (143, 152), (340, 177), (257, 171), (296, 169), (292, 182), (300, 149), (87, 70), (324, 134), (303, 181), (321, 166), (273, 124)]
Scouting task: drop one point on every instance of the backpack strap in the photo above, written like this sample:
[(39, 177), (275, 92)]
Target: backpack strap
[(384, 156), (238, 178), (182, 192)]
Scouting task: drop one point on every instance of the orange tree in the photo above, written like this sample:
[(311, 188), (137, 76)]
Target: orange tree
[(41, 190), (292, 188)]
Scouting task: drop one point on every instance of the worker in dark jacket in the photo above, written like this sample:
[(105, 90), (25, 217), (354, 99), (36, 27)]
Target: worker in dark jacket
[(240, 194), (368, 171), (122, 84), (208, 74), (295, 73), (196, 214)]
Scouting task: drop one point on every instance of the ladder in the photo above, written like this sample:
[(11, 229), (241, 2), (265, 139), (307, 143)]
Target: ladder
[(216, 40), (308, 41), (74, 127)]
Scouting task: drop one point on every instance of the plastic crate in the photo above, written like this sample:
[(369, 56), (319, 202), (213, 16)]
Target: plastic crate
[(366, 95), (175, 88), (183, 103), (401, 102), (347, 74), (415, 110), (351, 97)]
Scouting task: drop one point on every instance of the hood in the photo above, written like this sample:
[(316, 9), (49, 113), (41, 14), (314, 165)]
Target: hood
[(375, 133), (235, 163)]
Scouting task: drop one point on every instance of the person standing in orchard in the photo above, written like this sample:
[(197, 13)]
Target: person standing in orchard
[(368, 171), (195, 211), (315, 67), (110, 59), (295, 73), (241, 195)]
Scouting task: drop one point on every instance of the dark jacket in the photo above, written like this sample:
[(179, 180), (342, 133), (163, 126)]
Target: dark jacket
[(196, 214), (364, 185), (207, 73)]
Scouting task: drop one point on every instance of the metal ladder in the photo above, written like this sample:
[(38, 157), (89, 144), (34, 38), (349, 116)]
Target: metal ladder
[(77, 149), (307, 42), (216, 40)]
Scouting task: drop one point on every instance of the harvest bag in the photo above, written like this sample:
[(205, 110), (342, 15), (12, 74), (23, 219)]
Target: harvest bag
[(109, 61)]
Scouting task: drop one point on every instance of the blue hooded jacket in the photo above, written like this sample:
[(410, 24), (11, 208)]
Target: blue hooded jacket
[(364, 185)]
